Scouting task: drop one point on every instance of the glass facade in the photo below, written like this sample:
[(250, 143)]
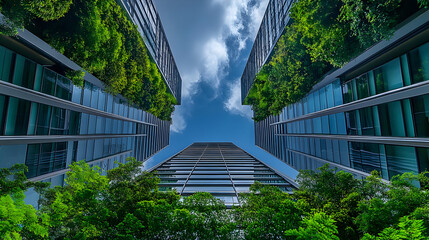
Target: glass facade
[(144, 15), (222, 169), (274, 21), (370, 115), (54, 123)]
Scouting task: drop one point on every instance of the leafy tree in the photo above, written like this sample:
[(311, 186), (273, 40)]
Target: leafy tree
[(266, 212), (47, 9), (317, 226), (17, 219), (407, 229)]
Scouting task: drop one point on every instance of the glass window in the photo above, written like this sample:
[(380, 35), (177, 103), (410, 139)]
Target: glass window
[(391, 119), (64, 88), (351, 123), (25, 71), (32, 160), (419, 63), (3, 107), (365, 156), (58, 123), (421, 115), (74, 123), (43, 119), (423, 156), (48, 82), (366, 121), (362, 86), (17, 117), (7, 58), (347, 92), (401, 159), (388, 76)]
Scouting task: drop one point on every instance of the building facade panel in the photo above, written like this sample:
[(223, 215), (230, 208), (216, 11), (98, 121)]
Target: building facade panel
[(222, 169)]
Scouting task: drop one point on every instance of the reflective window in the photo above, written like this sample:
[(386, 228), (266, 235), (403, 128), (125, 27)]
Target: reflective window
[(421, 115), (419, 63), (388, 76), (48, 81), (17, 116), (401, 159), (25, 71)]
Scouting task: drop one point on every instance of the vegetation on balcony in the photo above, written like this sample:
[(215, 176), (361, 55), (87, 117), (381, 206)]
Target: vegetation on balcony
[(99, 37), (126, 204), (323, 34)]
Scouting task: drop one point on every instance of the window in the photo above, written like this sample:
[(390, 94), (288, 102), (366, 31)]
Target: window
[(25, 71), (419, 63), (48, 82), (391, 119), (421, 115), (7, 61), (388, 76), (64, 88), (17, 116), (45, 158), (362, 86), (401, 159)]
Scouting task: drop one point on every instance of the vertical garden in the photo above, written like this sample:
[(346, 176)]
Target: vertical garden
[(99, 37), (322, 35)]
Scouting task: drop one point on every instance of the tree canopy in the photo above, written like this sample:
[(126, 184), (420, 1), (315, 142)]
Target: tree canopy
[(125, 203)]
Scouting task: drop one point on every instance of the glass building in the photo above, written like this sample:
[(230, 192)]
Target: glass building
[(144, 15), (220, 168), (47, 123), (372, 114)]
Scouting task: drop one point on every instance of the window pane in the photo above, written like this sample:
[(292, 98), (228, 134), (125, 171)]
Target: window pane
[(391, 119), (7, 59), (421, 115), (48, 83), (43, 120), (32, 160), (58, 123), (362, 86), (64, 88), (419, 63), (388, 76), (401, 159), (17, 117), (25, 71), (3, 107)]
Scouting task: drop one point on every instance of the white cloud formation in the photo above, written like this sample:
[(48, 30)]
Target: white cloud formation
[(233, 103), (215, 55), (179, 123)]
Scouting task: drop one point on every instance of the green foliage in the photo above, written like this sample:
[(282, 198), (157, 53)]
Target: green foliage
[(323, 34), (77, 77), (318, 226), (17, 219), (105, 43), (20, 13), (266, 212), (47, 9), (407, 229), (126, 204)]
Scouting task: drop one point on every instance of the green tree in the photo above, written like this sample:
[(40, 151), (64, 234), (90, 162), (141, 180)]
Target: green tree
[(317, 226), (266, 212), (407, 229)]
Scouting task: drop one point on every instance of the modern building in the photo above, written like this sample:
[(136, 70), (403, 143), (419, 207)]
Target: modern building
[(220, 168), (47, 123), (144, 15), (371, 114)]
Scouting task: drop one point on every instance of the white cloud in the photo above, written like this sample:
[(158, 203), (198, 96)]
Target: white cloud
[(179, 123), (233, 103), (215, 60), (189, 83), (256, 13)]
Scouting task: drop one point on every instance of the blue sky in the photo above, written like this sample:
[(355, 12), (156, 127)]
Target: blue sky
[(210, 41)]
